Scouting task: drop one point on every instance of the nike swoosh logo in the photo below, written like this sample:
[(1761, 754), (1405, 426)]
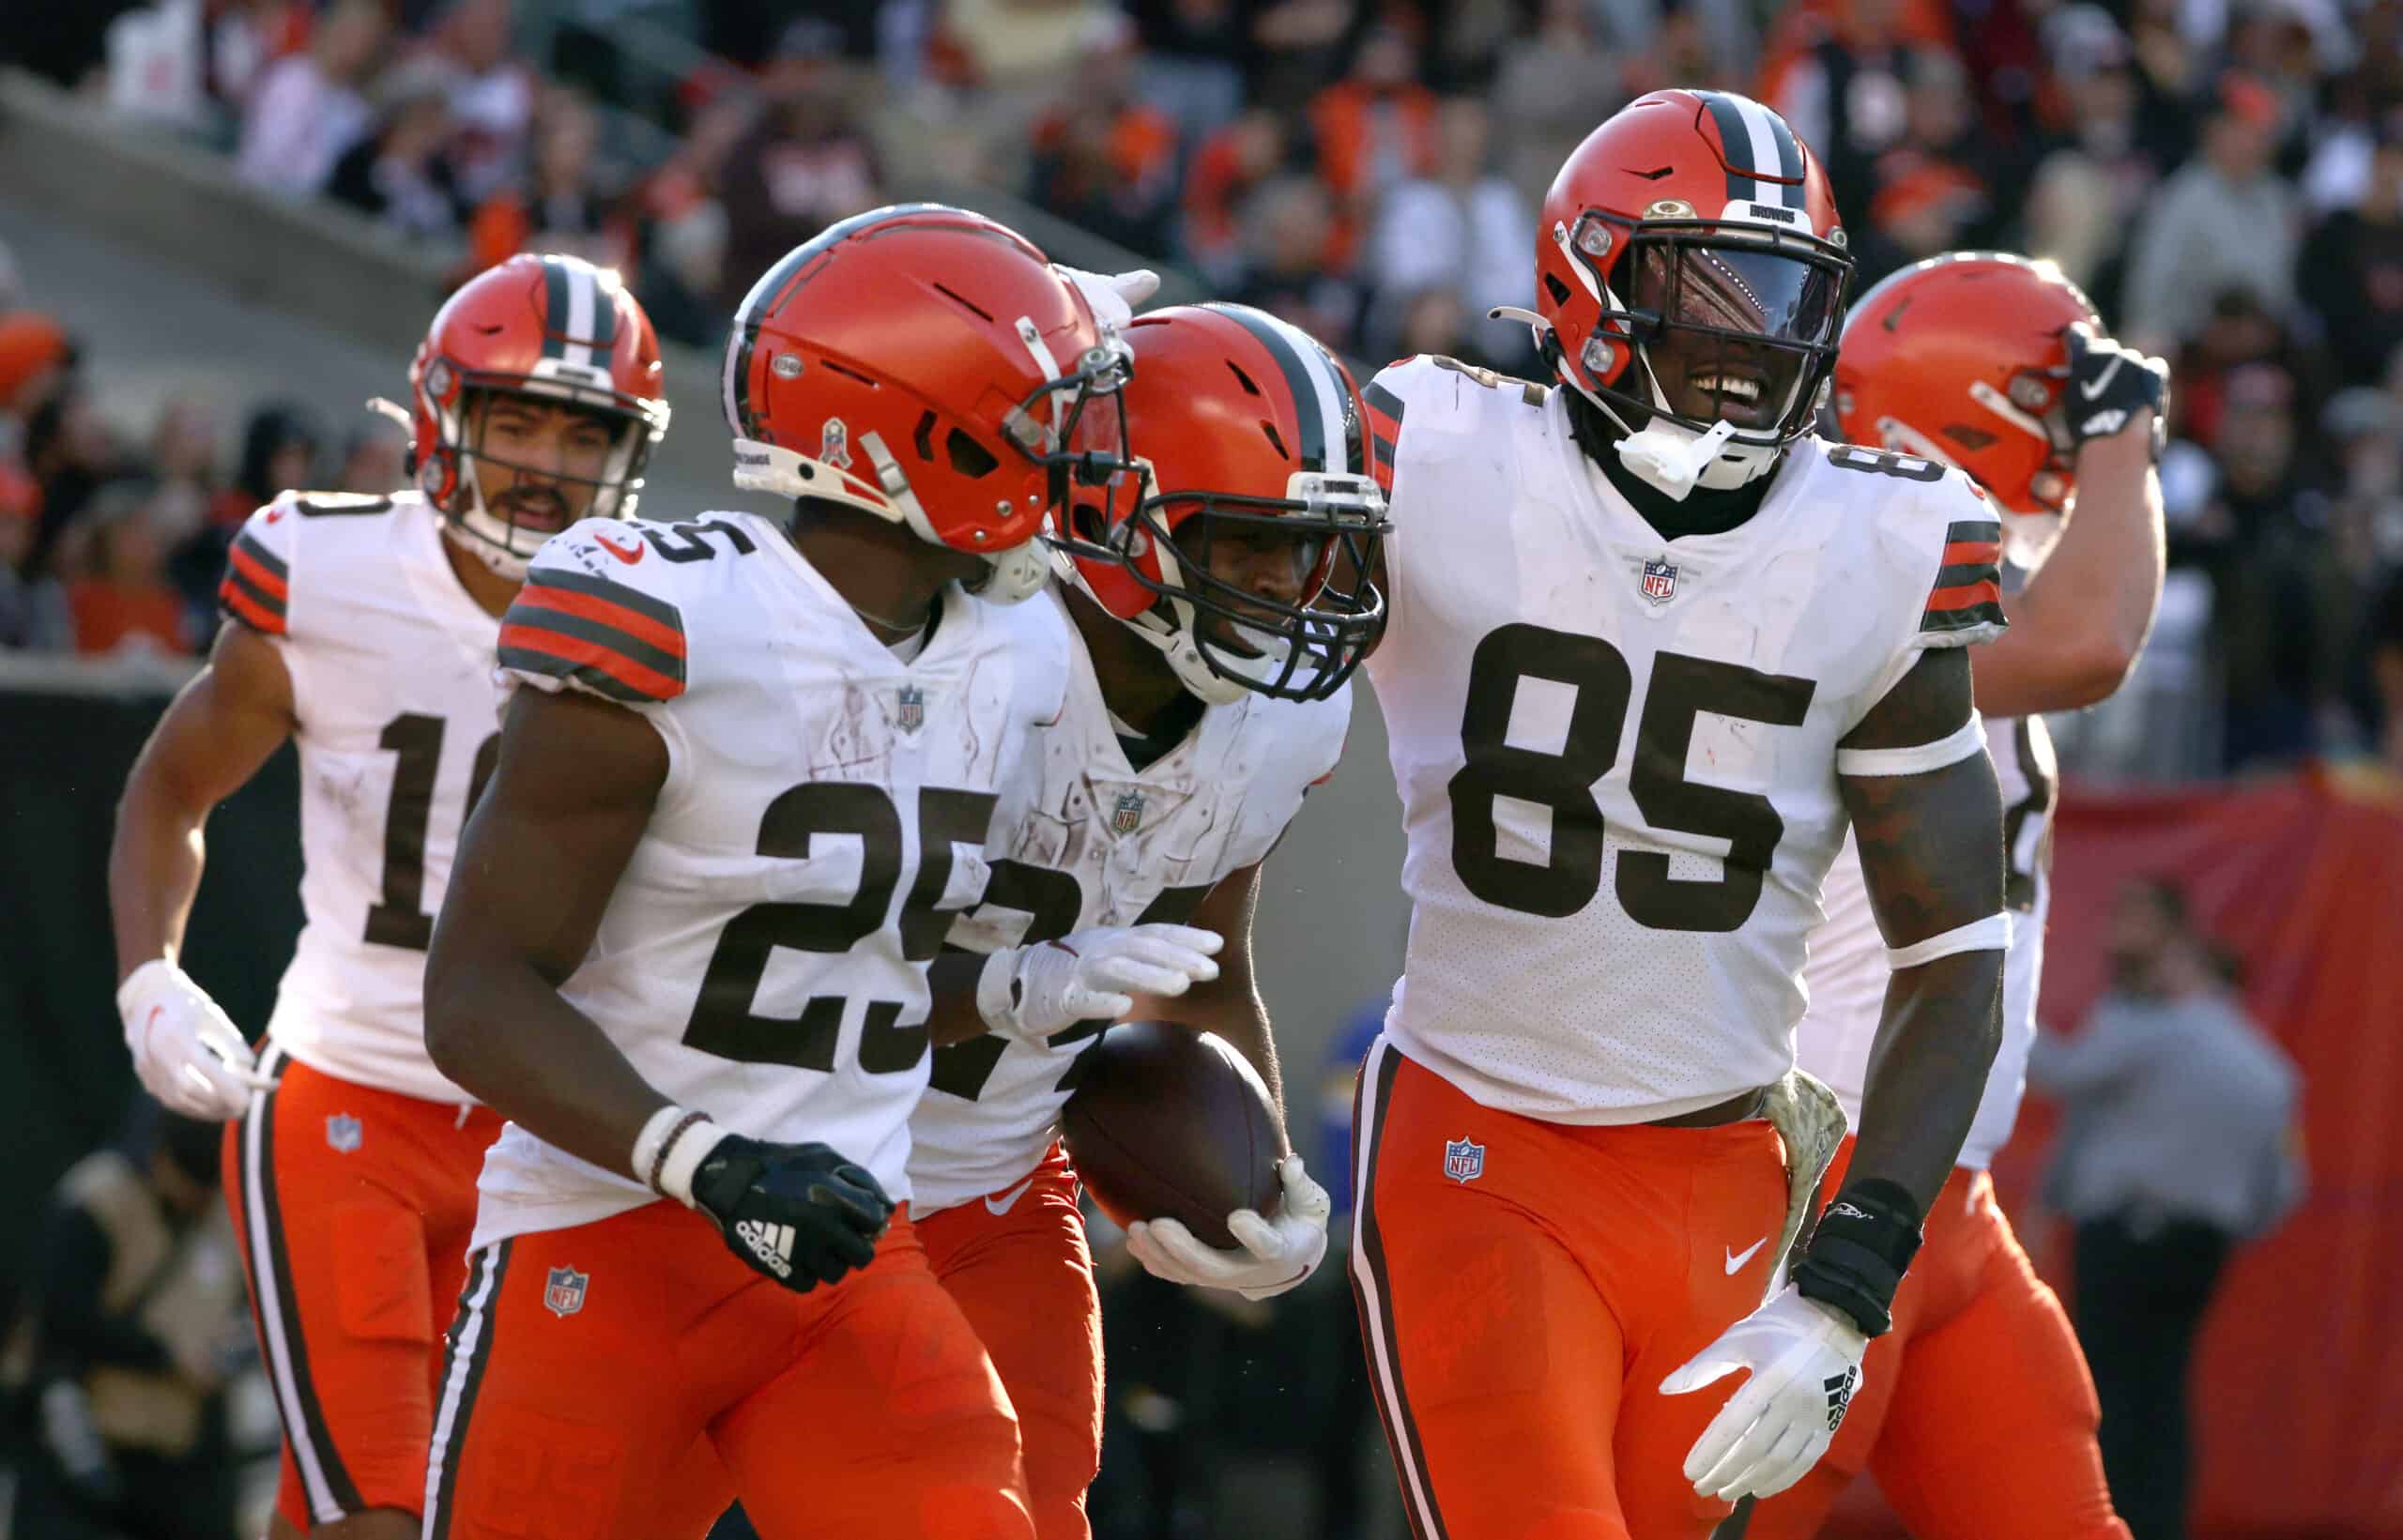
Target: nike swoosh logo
[(1735, 1259), (2101, 382), (629, 557), (1009, 1199)]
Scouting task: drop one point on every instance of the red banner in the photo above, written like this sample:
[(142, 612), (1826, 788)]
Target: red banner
[(2299, 1379)]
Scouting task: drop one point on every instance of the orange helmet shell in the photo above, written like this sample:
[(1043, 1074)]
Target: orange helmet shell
[(899, 363), (1960, 359)]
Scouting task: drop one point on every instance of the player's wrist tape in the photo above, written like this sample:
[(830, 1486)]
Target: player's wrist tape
[(1992, 934), (1855, 1260), (1918, 759), (671, 1149)]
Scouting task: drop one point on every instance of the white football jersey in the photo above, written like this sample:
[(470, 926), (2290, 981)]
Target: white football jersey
[(763, 959), (1090, 840), (1847, 972), (391, 663), (1616, 753)]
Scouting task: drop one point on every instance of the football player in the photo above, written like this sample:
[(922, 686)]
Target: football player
[(363, 629), (1976, 1412), (745, 778), (1207, 695), (1653, 644)]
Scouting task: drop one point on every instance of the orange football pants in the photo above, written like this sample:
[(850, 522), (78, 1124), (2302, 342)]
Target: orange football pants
[(1016, 1261), (354, 1206), (585, 1362), (1976, 1412), (1524, 1287)]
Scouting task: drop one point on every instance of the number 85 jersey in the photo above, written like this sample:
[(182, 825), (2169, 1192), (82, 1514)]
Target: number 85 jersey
[(1617, 754)]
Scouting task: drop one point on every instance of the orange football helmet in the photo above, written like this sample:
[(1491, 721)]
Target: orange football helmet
[(1959, 358), (555, 327), (1253, 434), (1689, 252), (924, 364)]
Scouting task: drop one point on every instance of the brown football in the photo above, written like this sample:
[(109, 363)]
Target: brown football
[(1167, 1122)]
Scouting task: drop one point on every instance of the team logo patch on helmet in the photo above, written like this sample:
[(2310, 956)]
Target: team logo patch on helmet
[(343, 1133), (911, 710), (1127, 814), (786, 366), (835, 444), (1464, 1160), (563, 1291), (1659, 581)]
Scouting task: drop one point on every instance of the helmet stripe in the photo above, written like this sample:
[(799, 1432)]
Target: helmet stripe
[(555, 309), (1320, 401), (581, 293), (605, 323), (1734, 146)]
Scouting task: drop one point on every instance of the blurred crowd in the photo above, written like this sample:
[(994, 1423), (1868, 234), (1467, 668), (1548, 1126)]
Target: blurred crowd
[(113, 536), (2223, 176)]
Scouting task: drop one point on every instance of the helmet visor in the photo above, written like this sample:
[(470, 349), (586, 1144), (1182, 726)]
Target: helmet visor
[(1736, 331)]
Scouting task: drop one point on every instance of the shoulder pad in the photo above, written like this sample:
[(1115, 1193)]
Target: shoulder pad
[(256, 590), (599, 611), (1945, 539), (1438, 388)]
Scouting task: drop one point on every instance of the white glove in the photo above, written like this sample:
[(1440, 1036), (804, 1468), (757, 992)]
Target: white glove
[(1276, 1254), (186, 1051), (1805, 1364), (1111, 296), (1030, 993)]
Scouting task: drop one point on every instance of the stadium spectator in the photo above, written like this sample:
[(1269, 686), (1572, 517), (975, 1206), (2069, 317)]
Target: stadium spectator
[(1105, 158), (372, 461), (122, 599), (398, 172), (68, 450), (1373, 129), (279, 445), (2179, 1143), (35, 355), (309, 106), (805, 164), (2096, 173), (1192, 60), (1462, 227), (491, 94), (1288, 225), (2351, 268), (1228, 165), (1552, 84), (1844, 92), (560, 205), (191, 64), (34, 617), (136, 1320), (1298, 45), (2224, 221)]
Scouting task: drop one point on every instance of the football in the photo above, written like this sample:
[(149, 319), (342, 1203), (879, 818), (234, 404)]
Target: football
[(1167, 1122)]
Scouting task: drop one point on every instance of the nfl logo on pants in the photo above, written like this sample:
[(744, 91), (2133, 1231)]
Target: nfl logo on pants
[(563, 1290), (1464, 1161)]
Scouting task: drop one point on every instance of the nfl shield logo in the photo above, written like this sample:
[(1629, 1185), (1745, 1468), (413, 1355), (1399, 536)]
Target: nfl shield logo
[(563, 1291), (1127, 815), (343, 1133), (835, 444), (912, 712), (1659, 581), (1464, 1161)]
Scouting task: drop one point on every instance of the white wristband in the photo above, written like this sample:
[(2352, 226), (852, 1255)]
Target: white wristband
[(1918, 759), (646, 1143), (683, 1155), (1992, 934)]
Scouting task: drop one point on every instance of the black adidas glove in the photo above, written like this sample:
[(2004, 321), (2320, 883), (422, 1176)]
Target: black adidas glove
[(2108, 385), (799, 1213)]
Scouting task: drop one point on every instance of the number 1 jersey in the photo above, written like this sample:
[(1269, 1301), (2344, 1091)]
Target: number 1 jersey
[(1617, 754), (390, 664), (763, 957)]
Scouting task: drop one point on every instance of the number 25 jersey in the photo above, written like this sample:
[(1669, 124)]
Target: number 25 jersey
[(1617, 754), (763, 956)]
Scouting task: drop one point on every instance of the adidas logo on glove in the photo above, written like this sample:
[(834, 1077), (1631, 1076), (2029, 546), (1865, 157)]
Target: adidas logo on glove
[(1840, 1388), (771, 1244)]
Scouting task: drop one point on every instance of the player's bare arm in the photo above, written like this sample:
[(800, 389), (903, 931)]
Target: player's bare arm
[(1930, 849), (568, 802), (214, 736), (2076, 627)]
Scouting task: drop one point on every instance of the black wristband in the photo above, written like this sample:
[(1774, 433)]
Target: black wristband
[(1855, 1260)]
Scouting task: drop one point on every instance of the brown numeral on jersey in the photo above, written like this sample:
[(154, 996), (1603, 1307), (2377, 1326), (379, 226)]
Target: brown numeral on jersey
[(416, 740), (724, 1022), (1681, 690)]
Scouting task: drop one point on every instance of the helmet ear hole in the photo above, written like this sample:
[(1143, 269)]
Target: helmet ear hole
[(968, 457), (1554, 287)]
